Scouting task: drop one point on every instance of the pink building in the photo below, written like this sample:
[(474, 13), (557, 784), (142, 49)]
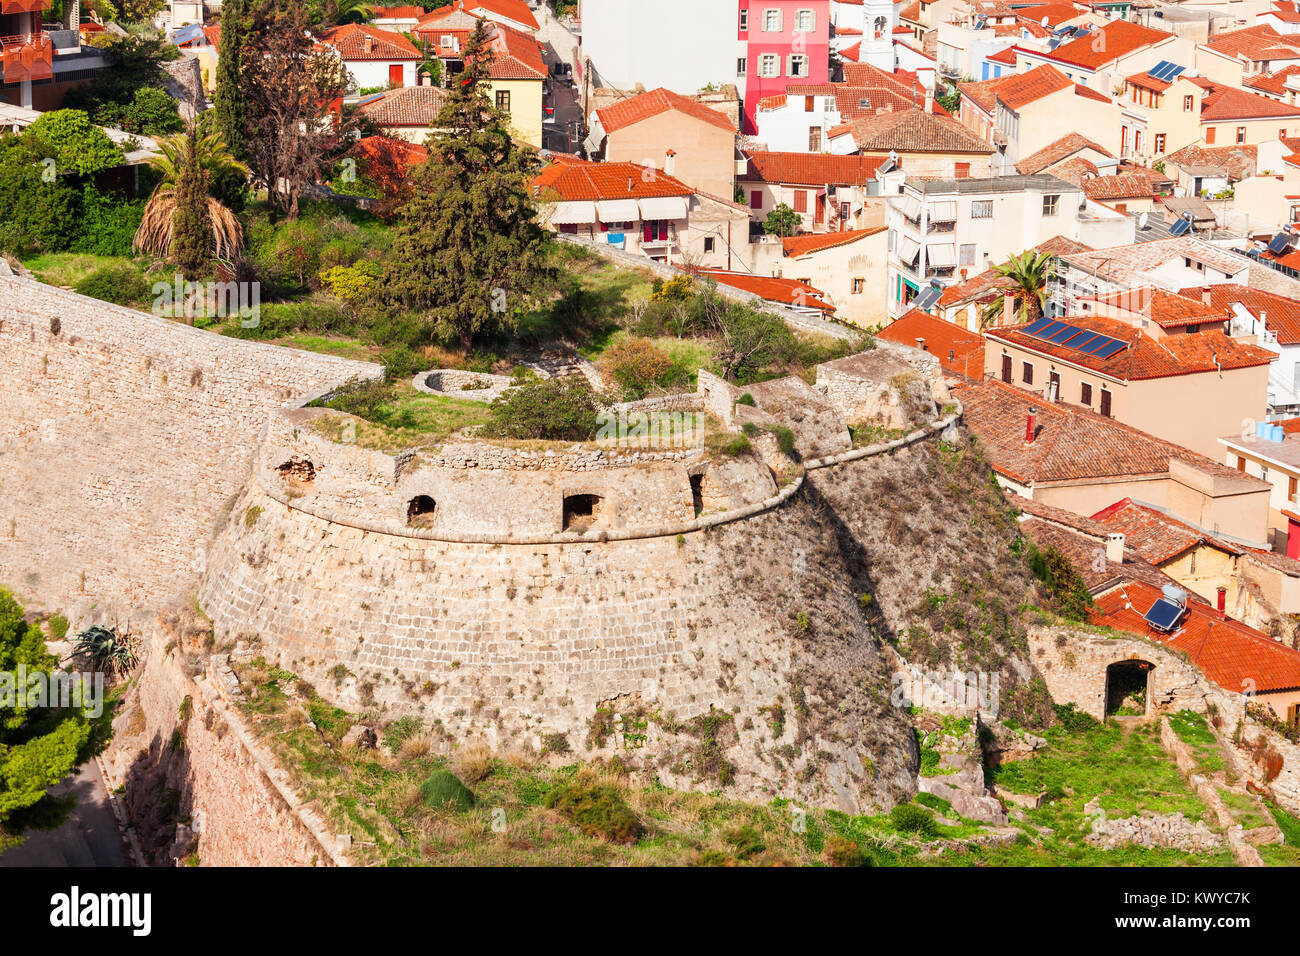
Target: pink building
[(786, 42)]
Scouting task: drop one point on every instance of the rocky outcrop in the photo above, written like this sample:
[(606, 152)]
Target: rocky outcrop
[(1168, 830), (185, 85)]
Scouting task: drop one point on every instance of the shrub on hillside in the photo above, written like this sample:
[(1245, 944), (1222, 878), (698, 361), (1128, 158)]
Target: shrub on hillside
[(120, 283), (636, 366), (841, 851), (598, 812), (909, 818), (444, 789), (558, 409), (354, 284)]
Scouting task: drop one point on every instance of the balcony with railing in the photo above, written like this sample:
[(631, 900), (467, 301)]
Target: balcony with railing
[(26, 57)]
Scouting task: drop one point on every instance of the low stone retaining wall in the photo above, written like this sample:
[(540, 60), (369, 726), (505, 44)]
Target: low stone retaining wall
[(1171, 830), (457, 383)]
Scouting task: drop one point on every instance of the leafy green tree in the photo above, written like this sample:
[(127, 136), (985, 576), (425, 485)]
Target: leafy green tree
[(74, 143), (559, 409), (138, 11), (950, 98), (228, 104), (152, 112), (468, 254), (39, 746), (781, 221), (40, 208), (135, 63), (1028, 275)]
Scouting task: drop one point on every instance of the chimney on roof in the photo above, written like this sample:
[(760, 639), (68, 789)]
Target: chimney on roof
[(920, 343), (1115, 547), (1205, 294), (1029, 425), (370, 44), (1223, 599), (670, 161)]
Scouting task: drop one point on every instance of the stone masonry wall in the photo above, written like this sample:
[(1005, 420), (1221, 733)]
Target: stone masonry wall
[(122, 436), (196, 781)]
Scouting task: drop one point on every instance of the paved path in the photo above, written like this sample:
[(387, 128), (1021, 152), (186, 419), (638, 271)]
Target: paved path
[(89, 837)]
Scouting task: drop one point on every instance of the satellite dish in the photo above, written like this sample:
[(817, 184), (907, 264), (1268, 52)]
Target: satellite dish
[(893, 157), (1043, 22), (1142, 221)]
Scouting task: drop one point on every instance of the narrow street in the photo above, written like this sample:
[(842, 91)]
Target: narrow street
[(89, 837), (561, 47)]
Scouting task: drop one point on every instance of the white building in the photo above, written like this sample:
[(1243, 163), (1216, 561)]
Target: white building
[(944, 231), (683, 45), (866, 30)]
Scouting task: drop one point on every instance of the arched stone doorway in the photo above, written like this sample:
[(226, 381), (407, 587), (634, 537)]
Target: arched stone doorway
[(1128, 688)]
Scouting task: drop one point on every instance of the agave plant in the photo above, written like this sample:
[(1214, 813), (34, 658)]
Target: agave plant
[(208, 152), (106, 650)]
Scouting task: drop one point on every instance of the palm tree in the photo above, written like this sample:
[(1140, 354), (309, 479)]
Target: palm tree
[(1028, 275), (208, 153), (344, 11)]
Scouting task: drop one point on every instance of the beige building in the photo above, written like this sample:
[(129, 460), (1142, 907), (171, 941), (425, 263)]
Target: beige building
[(849, 267), (1071, 458), (829, 193), (1157, 361), (669, 132)]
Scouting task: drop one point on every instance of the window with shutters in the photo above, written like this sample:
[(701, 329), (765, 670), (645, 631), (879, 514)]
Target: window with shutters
[(771, 21), (814, 139), (1209, 136), (744, 20), (805, 21), (1006, 369), (769, 65), (1105, 402), (1027, 373), (1085, 394), (798, 65), (981, 209), (800, 201), (503, 100), (756, 199)]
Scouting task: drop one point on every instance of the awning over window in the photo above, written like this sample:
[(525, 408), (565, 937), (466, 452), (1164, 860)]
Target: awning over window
[(941, 256), (574, 213), (618, 210), (664, 207), (911, 207), (943, 212), (908, 249)]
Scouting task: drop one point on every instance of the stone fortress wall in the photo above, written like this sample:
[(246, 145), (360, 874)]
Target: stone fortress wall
[(122, 437)]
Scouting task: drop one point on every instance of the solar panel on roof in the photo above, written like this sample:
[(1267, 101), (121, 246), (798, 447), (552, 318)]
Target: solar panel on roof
[(1279, 243), (1081, 344), (1110, 349), (1164, 615), (1033, 327), (1100, 343), (1180, 227), (1061, 334), (1049, 330), (927, 298)]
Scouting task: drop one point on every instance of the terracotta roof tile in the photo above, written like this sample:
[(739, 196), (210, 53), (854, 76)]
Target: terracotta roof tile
[(1121, 37), (569, 179), (1283, 314), (1157, 536), (1256, 43), (785, 291), (810, 169), (1169, 310), (637, 108), (515, 55), (356, 41), (957, 350), (407, 106), (1072, 444), (915, 131), (1230, 103), (1272, 82), (1021, 89), (1144, 357), (1238, 161), (1236, 657), (1105, 188), (795, 246)]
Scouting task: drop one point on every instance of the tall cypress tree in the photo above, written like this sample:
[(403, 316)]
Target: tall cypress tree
[(468, 253), (228, 101), (191, 245)]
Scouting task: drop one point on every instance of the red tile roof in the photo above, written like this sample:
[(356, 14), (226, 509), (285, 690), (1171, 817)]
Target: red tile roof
[(515, 10), (852, 53), (1144, 358), (1053, 153), (1119, 38), (1157, 536), (1106, 188), (1238, 161), (810, 169), (1272, 82), (1283, 314), (356, 41), (515, 55), (408, 106), (1055, 12), (637, 108), (1021, 89), (568, 179), (795, 246), (1236, 657), (986, 285), (785, 291), (912, 131), (1169, 310), (957, 350), (1004, 56), (399, 13), (1072, 444), (1230, 103), (1257, 44)]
